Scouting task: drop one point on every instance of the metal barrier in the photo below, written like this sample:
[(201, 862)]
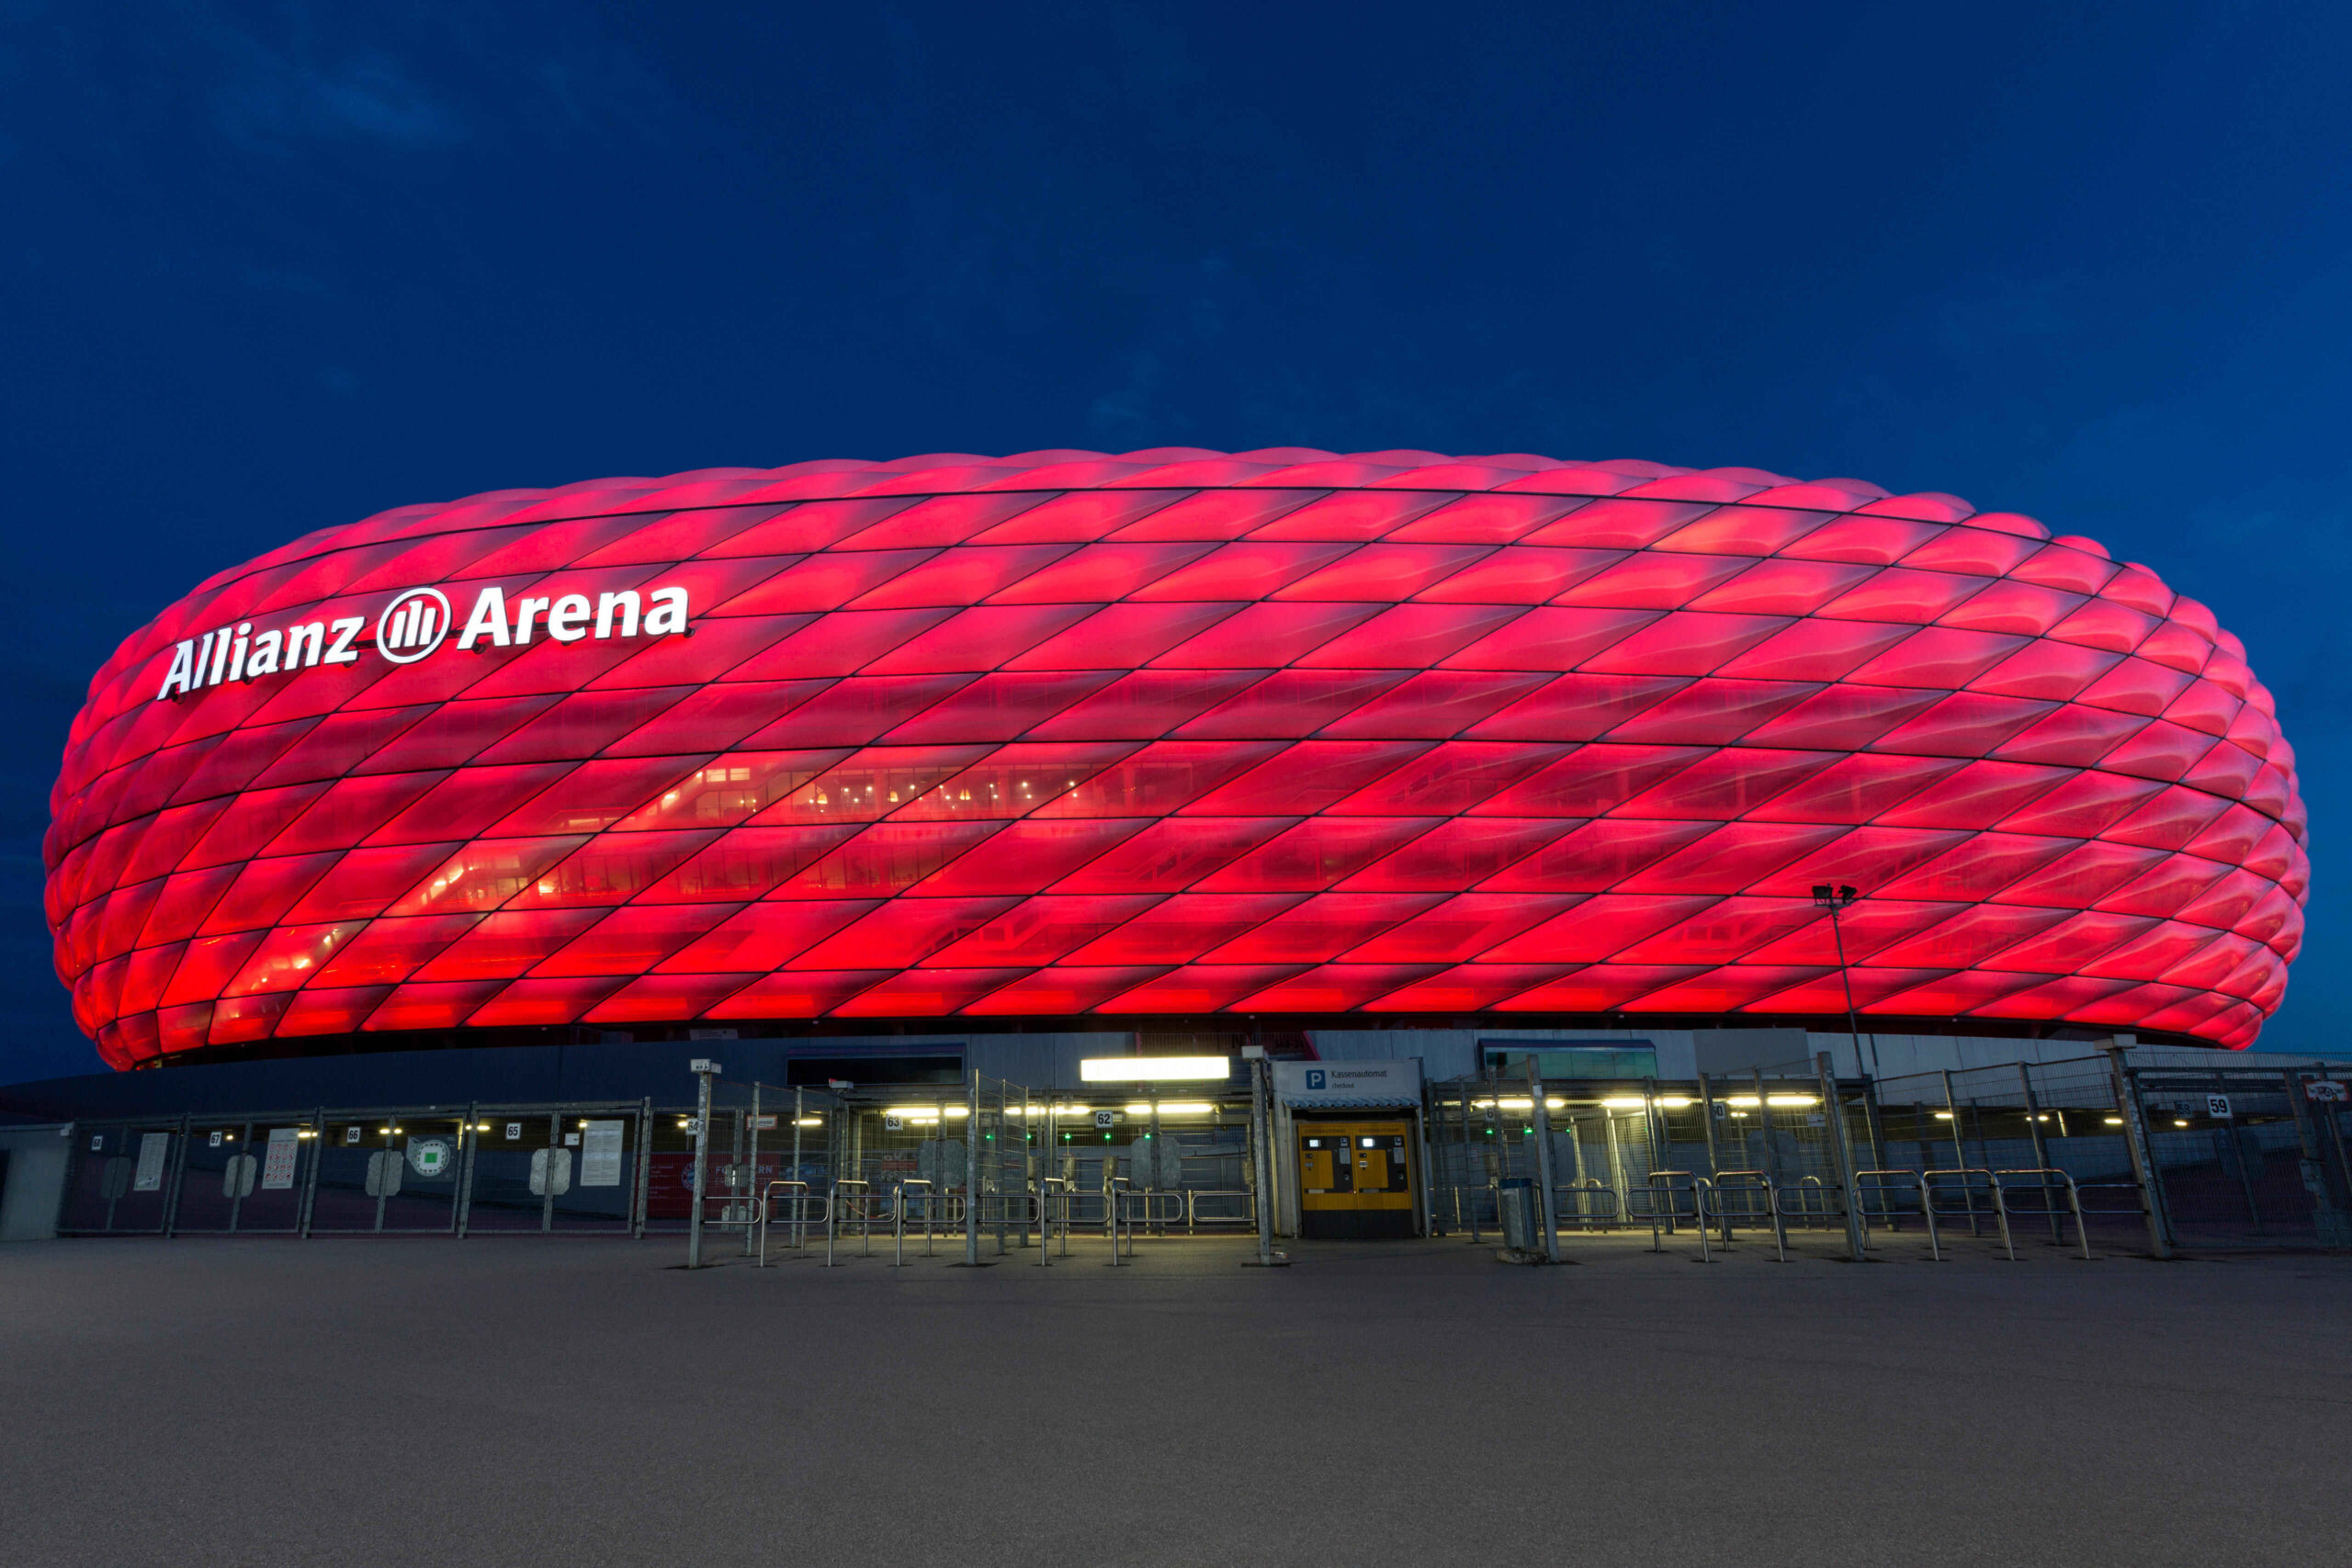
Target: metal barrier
[(1140, 1207), (1805, 1190), (1194, 1219), (2137, 1208), (2041, 1184), (1048, 1189), (1751, 1186), (1111, 1196), (1661, 1187), (1147, 1203), (741, 1210), (997, 1210), (799, 1221), (834, 1215), (1476, 1225), (1578, 1201), (1964, 1179), (1882, 1184), (899, 1219)]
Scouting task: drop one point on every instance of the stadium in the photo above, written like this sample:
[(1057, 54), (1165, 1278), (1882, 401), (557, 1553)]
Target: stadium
[(1173, 741), (1227, 825)]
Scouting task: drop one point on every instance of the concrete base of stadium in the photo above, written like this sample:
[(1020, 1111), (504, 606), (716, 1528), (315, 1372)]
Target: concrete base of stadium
[(590, 1403)]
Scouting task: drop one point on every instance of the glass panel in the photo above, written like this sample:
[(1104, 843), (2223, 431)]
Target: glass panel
[(514, 1152)]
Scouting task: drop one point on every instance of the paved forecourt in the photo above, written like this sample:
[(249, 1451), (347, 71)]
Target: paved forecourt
[(584, 1402)]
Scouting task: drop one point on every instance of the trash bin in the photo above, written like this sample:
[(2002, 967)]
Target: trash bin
[(1523, 1222)]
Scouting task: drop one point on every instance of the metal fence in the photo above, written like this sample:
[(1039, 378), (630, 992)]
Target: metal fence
[(2146, 1159), (769, 1144), (1620, 1152), (2250, 1158), (2089, 1151), (580, 1168)]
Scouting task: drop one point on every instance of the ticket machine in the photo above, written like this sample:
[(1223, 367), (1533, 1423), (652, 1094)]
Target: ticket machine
[(1355, 1178)]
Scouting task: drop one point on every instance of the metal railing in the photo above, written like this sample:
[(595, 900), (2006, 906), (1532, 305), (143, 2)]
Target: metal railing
[(1964, 1180), (1111, 1196), (2137, 1207), (1475, 1224), (1664, 1203), (1759, 1200), (799, 1221), (1812, 1206), (2041, 1184), (857, 1190), (738, 1211), (1586, 1201), (1194, 1219), (1884, 1185), (1048, 1189), (898, 1220)]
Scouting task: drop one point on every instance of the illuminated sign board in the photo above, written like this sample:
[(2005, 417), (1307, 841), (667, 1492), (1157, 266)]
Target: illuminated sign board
[(415, 624)]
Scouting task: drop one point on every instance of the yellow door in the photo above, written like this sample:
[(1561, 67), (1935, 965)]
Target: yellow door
[(1355, 1178)]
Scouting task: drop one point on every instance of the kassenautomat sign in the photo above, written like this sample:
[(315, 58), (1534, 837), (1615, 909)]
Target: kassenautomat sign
[(414, 625)]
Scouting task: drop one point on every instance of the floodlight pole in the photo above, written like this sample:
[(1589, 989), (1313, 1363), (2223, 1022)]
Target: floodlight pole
[(1834, 899), (972, 1177), (1261, 1125), (704, 1071)]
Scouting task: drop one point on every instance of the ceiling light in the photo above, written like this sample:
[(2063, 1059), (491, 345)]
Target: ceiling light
[(1153, 1069)]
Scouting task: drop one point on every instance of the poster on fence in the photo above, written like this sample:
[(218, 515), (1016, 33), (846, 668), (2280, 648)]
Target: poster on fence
[(153, 1147), (600, 1153), (278, 1165)]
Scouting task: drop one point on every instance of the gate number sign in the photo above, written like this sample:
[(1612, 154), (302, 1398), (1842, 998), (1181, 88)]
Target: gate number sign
[(2218, 1106), (1104, 1118)]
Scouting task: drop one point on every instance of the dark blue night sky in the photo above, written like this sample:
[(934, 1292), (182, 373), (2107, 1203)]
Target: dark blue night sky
[(271, 268)]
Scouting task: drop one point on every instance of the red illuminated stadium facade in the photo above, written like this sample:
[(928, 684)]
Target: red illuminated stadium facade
[(976, 743)]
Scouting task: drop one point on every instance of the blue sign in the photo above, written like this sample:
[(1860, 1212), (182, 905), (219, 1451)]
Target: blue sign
[(1314, 1077)]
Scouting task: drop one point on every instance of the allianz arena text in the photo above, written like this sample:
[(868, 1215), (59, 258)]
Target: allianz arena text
[(1172, 735)]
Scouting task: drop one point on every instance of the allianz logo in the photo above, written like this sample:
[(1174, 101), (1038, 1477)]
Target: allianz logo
[(412, 625)]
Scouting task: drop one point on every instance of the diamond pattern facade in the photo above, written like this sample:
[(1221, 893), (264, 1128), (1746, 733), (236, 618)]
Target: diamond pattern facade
[(1178, 732)]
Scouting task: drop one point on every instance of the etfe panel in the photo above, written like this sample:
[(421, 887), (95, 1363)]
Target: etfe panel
[(1355, 1179)]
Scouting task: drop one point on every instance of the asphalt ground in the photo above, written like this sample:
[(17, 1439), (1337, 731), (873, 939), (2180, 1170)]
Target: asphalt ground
[(581, 1402)]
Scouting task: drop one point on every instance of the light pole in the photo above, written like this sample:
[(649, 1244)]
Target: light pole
[(1834, 899)]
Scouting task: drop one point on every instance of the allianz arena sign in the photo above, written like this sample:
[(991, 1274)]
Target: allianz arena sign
[(1074, 740), (414, 624)]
